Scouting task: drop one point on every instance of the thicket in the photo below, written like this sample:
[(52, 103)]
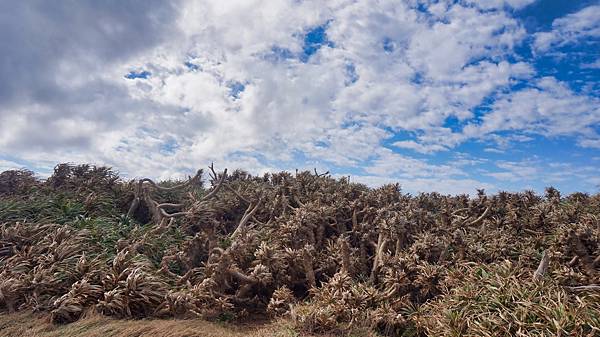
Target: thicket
[(332, 255)]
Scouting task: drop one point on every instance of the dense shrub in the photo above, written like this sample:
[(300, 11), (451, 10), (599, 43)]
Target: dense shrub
[(334, 256)]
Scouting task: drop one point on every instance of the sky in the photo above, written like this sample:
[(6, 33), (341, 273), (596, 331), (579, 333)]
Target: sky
[(446, 96)]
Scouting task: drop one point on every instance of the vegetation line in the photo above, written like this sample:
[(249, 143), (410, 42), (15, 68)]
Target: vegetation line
[(325, 255)]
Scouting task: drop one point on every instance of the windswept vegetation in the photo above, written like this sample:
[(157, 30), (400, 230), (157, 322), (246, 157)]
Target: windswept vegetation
[(329, 255)]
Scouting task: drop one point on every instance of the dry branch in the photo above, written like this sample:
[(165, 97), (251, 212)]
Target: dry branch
[(591, 287), (480, 219), (308, 267), (328, 242), (345, 251), (542, 267), (158, 209), (247, 215), (190, 181)]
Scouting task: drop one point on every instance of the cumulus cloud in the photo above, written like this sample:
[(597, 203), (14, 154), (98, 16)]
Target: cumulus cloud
[(419, 147), (515, 171), (58, 93), (440, 185), (592, 65), (6, 165), (159, 89), (538, 172), (570, 29), (549, 108), (494, 4), (410, 71)]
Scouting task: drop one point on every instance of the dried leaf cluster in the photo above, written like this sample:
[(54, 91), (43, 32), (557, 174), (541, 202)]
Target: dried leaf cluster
[(331, 254)]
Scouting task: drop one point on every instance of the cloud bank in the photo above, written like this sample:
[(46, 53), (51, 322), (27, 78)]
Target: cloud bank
[(436, 95)]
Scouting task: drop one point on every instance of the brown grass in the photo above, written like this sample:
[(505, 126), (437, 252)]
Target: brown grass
[(95, 325), (329, 255)]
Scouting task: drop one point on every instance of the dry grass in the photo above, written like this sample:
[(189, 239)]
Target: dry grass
[(332, 255), (498, 301), (94, 325)]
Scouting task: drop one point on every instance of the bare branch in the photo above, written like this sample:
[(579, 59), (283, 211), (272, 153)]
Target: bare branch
[(241, 277), (157, 209), (247, 215), (591, 287), (237, 193), (217, 186), (195, 179), (172, 215), (136, 199), (308, 268), (345, 250), (480, 219), (573, 261), (382, 242), (543, 267), (320, 174), (166, 204), (460, 210)]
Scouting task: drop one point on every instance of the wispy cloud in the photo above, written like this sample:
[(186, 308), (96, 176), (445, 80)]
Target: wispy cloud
[(570, 29)]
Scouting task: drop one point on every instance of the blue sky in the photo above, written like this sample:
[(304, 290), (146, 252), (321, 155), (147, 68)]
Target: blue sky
[(445, 96)]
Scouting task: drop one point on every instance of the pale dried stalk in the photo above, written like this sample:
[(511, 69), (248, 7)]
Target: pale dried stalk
[(345, 250), (382, 242), (591, 287), (543, 267), (247, 215), (480, 219), (308, 268)]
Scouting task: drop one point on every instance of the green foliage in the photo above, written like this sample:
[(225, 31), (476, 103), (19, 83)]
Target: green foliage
[(105, 232)]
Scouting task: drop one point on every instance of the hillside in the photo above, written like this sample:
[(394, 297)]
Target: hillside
[(323, 255)]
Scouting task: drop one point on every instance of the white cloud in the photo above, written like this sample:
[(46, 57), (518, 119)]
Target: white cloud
[(516, 171), (418, 175), (389, 163), (570, 29), (6, 165), (419, 147), (549, 108), (387, 67), (440, 185), (592, 65), (590, 142), (491, 4), (312, 107), (493, 150), (538, 171)]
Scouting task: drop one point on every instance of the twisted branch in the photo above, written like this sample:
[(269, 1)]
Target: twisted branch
[(158, 209)]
